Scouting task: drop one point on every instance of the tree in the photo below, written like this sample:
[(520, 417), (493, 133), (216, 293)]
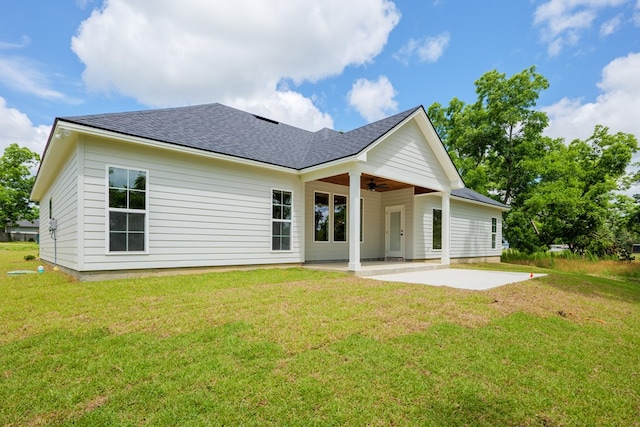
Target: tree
[(16, 181), (571, 200), (497, 141)]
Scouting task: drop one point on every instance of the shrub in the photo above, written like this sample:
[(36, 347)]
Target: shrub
[(29, 257)]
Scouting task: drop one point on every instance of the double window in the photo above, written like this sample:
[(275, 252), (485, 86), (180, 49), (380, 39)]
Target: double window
[(127, 209), (281, 202), (330, 217)]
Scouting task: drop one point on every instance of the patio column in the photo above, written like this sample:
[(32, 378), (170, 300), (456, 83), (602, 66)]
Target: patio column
[(446, 228), (354, 221)]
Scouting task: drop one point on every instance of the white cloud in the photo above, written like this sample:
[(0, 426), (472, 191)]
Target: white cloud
[(298, 110), (8, 45), (428, 49), (15, 127), (373, 99), (164, 52), (611, 26), (563, 21), (616, 107), (22, 75)]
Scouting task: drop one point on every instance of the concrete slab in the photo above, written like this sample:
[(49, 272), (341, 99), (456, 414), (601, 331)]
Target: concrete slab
[(458, 278)]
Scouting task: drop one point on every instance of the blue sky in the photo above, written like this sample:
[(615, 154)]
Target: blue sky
[(318, 63)]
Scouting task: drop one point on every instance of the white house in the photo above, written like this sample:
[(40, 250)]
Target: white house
[(212, 186)]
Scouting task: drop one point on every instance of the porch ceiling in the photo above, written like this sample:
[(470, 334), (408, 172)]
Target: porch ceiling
[(382, 184)]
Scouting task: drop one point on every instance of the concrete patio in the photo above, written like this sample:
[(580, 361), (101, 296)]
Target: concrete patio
[(434, 274)]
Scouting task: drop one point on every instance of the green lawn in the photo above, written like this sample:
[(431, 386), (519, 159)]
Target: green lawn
[(296, 347)]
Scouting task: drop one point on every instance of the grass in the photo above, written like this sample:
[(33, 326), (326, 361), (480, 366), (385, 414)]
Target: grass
[(297, 347)]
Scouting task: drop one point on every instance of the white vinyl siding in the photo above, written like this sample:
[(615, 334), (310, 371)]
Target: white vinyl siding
[(471, 230), (201, 212), (470, 234), (406, 156), (64, 195)]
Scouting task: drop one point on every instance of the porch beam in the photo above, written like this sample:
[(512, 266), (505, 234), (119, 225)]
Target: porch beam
[(354, 221)]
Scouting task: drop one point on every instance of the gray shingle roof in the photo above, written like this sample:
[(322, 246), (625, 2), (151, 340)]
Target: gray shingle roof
[(465, 193), (220, 129), (224, 130)]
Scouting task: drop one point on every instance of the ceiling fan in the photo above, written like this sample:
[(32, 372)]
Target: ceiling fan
[(372, 185)]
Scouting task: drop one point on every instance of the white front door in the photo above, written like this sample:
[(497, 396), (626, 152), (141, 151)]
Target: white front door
[(394, 232)]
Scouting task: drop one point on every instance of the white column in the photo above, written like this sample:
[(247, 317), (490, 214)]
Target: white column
[(446, 228), (354, 221)]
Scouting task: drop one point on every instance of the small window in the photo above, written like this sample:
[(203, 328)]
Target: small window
[(494, 229), (339, 218), (437, 229), (127, 209), (321, 217), (281, 203)]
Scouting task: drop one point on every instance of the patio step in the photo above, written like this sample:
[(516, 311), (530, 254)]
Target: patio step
[(378, 268), (396, 268)]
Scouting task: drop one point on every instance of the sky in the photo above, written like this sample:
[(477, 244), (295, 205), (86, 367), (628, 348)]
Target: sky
[(313, 63)]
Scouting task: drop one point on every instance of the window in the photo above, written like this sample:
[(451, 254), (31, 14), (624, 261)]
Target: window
[(281, 220), (437, 229), (362, 220), (321, 217), (494, 228), (339, 218), (127, 209)]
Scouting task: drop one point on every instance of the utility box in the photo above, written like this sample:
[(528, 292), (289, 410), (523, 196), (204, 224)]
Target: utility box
[(635, 249)]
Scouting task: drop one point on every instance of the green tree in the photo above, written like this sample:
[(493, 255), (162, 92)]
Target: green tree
[(16, 181), (497, 141), (572, 199)]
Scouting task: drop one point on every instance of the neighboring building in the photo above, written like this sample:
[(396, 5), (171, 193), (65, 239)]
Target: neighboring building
[(24, 231), (209, 185)]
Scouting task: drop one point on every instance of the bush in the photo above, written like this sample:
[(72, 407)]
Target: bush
[(29, 257)]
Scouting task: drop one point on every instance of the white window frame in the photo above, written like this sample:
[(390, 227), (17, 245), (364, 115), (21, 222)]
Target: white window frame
[(290, 221), (494, 232), (126, 210), (433, 229), (330, 222), (361, 220), (332, 210)]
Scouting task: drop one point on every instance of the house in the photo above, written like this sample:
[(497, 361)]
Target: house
[(212, 186), (23, 231)]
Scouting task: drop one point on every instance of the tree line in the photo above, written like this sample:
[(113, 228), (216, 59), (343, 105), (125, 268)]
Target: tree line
[(560, 192)]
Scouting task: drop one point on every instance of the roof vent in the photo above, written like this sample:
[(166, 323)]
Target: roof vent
[(265, 119)]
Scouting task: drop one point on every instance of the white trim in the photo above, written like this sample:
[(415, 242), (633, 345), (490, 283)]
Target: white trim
[(329, 225), (63, 125), (80, 244), (387, 229), (290, 221), (475, 202), (333, 218), (433, 232), (108, 209), (361, 227)]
